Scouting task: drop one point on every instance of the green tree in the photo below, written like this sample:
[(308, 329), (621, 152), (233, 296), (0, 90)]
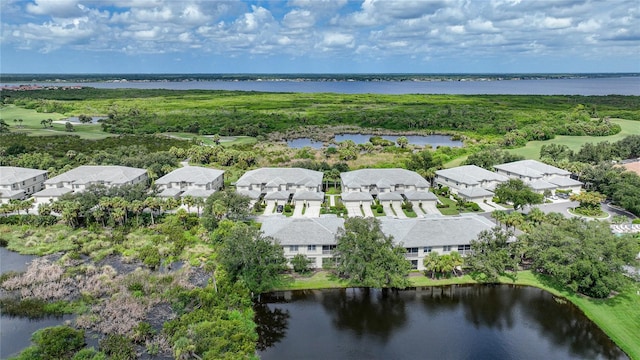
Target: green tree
[(250, 257), (301, 264), (4, 127), (402, 141), (583, 255), (68, 127), (589, 202), (224, 204), (555, 152), (518, 193), (58, 342), (488, 158), (431, 263), (492, 255), (367, 257)]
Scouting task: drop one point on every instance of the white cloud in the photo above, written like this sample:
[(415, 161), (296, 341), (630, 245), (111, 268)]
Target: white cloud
[(334, 40), (556, 23), (57, 8), (299, 19)]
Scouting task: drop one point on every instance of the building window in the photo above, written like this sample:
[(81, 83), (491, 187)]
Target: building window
[(412, 252), (446, 248), (464, 249), (293, 248), (414, 264), (311, 248), (328, 249), (427, 249)]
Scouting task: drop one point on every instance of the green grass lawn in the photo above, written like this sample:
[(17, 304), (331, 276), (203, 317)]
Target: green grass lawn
[(207, 140), (618, 317), (451, 210), (32, 127), (532, 149)]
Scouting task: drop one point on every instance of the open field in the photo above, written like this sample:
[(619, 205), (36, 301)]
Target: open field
[(31, 124), (618, 317), (207, 140), (532, 149)]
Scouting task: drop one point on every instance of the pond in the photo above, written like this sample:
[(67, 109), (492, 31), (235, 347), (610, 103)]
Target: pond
[(76, 120), (450, 322), (304, 142), (15, 332), (419, 140)]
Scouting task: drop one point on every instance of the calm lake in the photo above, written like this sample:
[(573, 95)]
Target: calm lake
[(451, 322), (15, 332), (419, 140), (578, 86)]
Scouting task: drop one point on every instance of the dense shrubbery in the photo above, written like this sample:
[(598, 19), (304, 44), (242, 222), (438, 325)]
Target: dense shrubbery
[(251, 113)]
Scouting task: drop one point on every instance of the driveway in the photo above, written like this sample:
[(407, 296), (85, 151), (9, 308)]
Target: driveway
[(430, 209), (399, 213), (312, 211), (268, 210), (367, 210), (353, 210), (297, 211)]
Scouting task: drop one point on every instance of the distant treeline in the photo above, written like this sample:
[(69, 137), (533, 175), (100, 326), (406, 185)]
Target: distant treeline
[(515, 118), (301, 77)]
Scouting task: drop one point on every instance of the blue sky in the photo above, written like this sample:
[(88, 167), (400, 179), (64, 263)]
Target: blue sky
[(319, 36)]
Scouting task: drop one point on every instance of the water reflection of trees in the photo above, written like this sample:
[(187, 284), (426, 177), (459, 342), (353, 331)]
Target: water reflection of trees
[(366, 311), (271, 325), (484, 306), (567, 327)]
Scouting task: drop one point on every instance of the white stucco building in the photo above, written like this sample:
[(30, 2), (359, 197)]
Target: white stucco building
[(78, 179), (193, 181), (540, 176), (17, 183), (470, 182)]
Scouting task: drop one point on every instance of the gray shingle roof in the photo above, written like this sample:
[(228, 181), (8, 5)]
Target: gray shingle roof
[(203, 193), (303, 231), (276, 176), (441, 231), (564, 181), (471, 175), (253, 194), (11, 174), (540, 184), (415, 195), (309, 195), (474, 192), (395, 196), (277, 195), (531, 168), (170, 192), (356, 196), (114, 175), (191, 174), (382, 177)]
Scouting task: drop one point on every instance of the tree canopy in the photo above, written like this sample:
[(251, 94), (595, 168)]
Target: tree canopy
[(493, 254), (584, 255), (367, 257), (517, 192), (248, 256), (226, 204)]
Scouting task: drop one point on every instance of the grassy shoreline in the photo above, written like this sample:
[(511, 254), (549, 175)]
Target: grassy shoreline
[(618, 316)]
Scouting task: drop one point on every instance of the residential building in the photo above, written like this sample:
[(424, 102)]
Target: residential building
[(18, 183), (420, 236), (193, 181), (389, 186), (313, 237), (78, 179), (540, 176), (266, 180), (470, 182), (316, 237)]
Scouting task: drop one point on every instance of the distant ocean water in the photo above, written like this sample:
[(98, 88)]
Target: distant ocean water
[(574, 86)]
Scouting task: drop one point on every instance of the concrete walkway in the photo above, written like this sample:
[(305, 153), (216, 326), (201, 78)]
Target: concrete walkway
[(367, 210), (268, 210), (332, 200), (297, 211), (398, 208)]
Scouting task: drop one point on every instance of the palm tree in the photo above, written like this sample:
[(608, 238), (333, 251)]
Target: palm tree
[(137, 207), (536, 215), (456, 261), (199, 202), (499, 216), (431, 263), (189, 201)]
